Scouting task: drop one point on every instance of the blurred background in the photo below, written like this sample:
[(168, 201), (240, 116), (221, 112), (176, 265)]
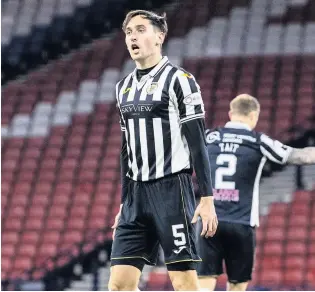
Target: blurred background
[(60, 186)]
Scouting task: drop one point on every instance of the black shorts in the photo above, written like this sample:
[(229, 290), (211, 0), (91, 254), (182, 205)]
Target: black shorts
[(157, 212), (234, 244)]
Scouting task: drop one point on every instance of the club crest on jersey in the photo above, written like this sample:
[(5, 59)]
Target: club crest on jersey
[(212, 137), (152, 88)]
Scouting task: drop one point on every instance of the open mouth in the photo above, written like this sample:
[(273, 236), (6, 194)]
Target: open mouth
[(134, 48)]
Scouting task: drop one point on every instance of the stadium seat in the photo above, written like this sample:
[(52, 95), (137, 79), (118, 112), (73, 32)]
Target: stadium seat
[(273, 248), (297, 234), (297, 247), (269, 262), (293, 277), (275, 233), (270, 277)]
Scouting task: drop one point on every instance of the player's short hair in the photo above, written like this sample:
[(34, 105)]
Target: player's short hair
[(156, 20), (244, 104)]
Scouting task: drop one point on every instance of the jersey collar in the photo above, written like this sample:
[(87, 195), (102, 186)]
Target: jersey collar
[(237, 125), (154, 71)]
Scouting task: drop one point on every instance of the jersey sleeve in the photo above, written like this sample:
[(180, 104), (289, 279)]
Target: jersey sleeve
[(188, 97), (274, 150), (121, 118)]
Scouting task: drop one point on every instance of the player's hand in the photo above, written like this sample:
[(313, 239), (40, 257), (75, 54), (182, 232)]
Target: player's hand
[(117, 217), (206, 211)]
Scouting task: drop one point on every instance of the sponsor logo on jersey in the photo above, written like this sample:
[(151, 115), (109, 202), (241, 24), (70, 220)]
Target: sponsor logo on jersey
[(193, 99), (187, 75), (226, 195), (131, 108), (126, 90), (212, 137)]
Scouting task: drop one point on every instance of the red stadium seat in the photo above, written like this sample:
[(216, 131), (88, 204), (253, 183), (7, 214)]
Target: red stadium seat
[(6, 264), (7, 250), (22, 263), (294, 262), (273, 248), (47, 250), (34, 223), (300, 208), (297, 221), (293, 277), (30, 237), (51, 237), (27, 250), (298, 234), (9, 238), (13, 224), (76, 223), (296, 247), (269, 262), (279, 209), (270, 277), (276, 220), (302, 196), (275, 233)]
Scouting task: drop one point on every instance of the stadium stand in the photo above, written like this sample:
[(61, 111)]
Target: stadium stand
[(35, 31), (60, 184)]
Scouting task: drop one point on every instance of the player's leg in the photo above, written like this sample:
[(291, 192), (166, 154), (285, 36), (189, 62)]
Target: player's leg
[(211, 252), (183, 276), (130, 275), (208, 283), (135, 244), (237, 286), (239, 256), (173, 204)]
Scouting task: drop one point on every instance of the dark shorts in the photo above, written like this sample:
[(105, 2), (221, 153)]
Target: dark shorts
[(234, 244), (157, 212)]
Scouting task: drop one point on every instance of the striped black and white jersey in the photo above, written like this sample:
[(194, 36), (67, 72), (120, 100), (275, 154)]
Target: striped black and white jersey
[(237, 156), (152, 111)]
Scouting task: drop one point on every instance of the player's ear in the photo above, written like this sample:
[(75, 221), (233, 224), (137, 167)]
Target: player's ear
[(253, 115), (161, 37), (230, 114)]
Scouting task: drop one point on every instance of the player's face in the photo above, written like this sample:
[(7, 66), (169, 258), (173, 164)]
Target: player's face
[(142, 38)]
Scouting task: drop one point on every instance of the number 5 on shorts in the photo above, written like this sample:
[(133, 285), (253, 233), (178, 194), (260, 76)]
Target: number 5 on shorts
[(180, 238)]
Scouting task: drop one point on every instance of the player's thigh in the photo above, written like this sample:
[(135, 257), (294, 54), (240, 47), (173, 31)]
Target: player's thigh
[(239, 252), (172, 206), (211, 252), (124, 278), (134, 238)]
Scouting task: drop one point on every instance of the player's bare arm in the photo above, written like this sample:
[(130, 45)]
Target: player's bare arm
[(302, 156)]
